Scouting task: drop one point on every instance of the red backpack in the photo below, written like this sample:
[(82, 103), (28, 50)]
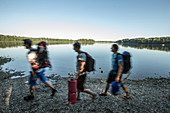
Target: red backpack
[(42, 55)]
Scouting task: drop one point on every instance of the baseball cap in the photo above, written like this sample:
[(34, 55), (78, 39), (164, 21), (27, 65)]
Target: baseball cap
[(27, 41), (77, 44)]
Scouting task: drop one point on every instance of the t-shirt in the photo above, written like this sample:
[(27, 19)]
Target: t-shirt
[(80, 58), (32, 58), (31, 55), (115, 63)]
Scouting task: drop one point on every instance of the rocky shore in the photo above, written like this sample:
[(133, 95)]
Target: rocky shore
[(149, 95)]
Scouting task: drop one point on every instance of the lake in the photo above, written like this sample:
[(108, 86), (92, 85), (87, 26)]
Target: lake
[(145, 62)]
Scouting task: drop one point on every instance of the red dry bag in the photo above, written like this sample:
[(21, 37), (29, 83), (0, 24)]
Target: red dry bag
[(72, 89)]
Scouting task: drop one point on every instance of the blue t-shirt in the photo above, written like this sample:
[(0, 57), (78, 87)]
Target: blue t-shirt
[(115, 63)]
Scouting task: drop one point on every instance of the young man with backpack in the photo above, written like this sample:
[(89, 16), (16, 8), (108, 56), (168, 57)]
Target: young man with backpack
[(116, 72), (37, 70), (81, 75)]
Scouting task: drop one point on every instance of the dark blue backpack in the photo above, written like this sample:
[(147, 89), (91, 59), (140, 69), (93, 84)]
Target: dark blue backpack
[(127, 62)]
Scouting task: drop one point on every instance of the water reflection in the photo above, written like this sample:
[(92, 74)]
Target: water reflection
[(145, 63), (160, 47)]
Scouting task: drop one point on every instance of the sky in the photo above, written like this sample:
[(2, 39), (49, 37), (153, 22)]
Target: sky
[(107, 20)]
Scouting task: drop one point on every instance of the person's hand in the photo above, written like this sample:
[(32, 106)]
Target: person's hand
[(117, 79), (34, 76), (32, 72), (77, 77), (50, 66)]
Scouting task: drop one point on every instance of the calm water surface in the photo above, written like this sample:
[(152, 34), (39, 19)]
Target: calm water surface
[(146, 63)]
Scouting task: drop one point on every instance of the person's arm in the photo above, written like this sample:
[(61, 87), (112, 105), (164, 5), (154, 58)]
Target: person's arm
[(82, 66), (120, 65), (81, 69), (82, 58), (120, 71), (32, 59)]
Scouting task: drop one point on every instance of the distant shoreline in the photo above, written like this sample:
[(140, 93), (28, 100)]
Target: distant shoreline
[(7, 38), (154, 40)]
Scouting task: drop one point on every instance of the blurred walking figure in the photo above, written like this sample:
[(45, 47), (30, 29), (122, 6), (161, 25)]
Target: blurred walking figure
[(81, 73), (37, 67), (116, 72)]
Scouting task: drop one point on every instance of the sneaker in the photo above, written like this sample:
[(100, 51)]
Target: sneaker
[(78, 99), (29, 97), (93, 97), (53, 92), (102, 94), (127, 97)]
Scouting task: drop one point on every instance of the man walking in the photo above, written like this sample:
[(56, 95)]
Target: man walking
[(81, 76), (116, 72), (36, 72)]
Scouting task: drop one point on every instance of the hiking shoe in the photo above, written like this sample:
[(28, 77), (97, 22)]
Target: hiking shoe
[(53, 92), (127, 97), (93, 97), (78, 99), (102, 94), (29, 97)]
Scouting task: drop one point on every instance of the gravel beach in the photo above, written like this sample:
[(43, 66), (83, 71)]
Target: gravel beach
[(148, 95)]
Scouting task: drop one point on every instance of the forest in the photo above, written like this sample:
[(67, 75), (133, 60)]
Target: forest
[(156, 40), (6, 38), (14, 41), (18, 39)]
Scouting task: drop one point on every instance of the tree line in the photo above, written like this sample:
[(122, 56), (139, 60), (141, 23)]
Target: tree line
[(156, 40), (15, 41), (19, 38), (148, 46), (8, 38)]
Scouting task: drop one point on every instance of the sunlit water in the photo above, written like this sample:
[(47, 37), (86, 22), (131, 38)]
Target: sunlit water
[(146, 63)]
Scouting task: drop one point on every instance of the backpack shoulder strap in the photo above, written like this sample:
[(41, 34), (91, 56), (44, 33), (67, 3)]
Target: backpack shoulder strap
[(117, 57), (83, 52), (33, 49), (119, 54)]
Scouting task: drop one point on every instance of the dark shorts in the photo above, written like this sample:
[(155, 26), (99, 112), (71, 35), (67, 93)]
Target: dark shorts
[(80, 82), (112, 76)]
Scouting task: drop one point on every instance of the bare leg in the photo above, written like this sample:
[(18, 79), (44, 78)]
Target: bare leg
[(125, 90), (32, 90), (52, 87), (107, 87), (30, 97), (91, 93), (49, 84), (78, 94)]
